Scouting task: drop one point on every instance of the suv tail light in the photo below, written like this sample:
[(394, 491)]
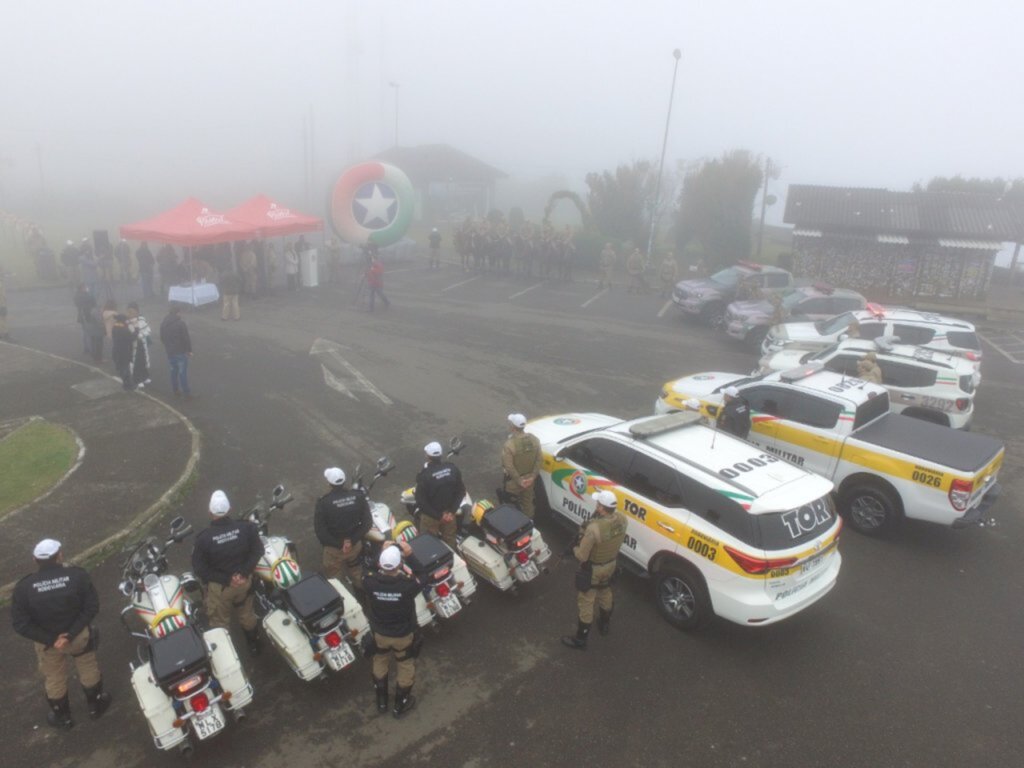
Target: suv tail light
[(973, 356), (758, 565), (960, 494), (963, 403)]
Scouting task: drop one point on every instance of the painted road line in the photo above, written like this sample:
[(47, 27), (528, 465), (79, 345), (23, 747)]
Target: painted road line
[(333, 382), (470, 280), (525, 290), (664, 309), (1008, 340), (593, 298), (365, 382), (336, 379)]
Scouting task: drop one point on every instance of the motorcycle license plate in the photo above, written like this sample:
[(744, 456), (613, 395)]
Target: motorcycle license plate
[(208, 723), (527, 572), (447, 606), (340, 657)]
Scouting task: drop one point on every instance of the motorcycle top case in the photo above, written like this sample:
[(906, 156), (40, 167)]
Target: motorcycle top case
[(177, 655), (429, 553), (313, 598), (506, 522)]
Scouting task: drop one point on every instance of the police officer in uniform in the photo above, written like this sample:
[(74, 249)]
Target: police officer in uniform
[(734, 417), (439, 492), (597, 550), (223, 559), (54, 607), (521, 459), (341, 520), (391, 609)]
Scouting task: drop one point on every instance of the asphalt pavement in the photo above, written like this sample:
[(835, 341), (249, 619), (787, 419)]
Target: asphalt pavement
[(914, 659)]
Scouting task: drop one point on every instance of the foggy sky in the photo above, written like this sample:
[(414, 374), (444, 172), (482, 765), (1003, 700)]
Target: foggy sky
[(209, 98)]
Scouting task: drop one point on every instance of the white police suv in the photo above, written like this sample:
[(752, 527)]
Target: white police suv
[(722, 527)]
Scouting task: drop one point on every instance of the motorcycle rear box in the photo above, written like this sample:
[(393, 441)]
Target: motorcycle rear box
[(507, 522), (312, 598), (177, 655), (292, 643), (428, 554), (227, 668)]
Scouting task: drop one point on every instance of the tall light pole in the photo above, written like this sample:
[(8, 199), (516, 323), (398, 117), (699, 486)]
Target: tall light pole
[(677, 54), (396, 86)]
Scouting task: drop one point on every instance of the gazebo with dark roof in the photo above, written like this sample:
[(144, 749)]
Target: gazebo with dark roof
[(900, 244), (449, 183)]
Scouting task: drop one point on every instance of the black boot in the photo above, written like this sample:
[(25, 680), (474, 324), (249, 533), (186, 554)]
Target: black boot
[(381, 686), (579, 640), (98, 700), (59, 715), (404, 701), (252, 640), (604, 620)]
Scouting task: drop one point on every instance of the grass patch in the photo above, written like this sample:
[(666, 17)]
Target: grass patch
[(32, 459)]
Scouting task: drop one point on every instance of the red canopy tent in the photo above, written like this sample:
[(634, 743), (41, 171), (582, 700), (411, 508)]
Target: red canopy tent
[(273, 219), (191, 223)]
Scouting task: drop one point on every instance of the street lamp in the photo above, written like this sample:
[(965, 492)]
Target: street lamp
[(396, 86), (677, 54)]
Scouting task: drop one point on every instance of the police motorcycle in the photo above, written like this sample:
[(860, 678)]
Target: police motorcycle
[(315, 623), (187, 680), (500, 544), (448, 586)]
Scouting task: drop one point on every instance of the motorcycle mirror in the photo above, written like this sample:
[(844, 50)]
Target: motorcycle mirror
[(278, 490), (456, 444), (176, 523), (384, 464), (358, 471), (183, 533)]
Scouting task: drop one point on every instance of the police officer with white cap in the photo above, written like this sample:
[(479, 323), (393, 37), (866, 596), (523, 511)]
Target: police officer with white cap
[(391, 609), (223, 559), (439, 492), (734, 417), (597, 552), (341, 519), (54, 607), (520, 461)]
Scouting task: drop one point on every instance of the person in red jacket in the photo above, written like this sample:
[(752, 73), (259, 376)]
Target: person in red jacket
[(375, 281)]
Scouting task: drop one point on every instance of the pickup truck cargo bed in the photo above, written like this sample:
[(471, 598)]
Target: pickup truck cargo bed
[(926, 442)]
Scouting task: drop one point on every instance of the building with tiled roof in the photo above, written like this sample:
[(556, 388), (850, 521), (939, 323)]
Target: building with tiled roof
[(900, 244)]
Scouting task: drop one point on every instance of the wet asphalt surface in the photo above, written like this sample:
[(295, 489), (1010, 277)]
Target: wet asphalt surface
[(914, 659)]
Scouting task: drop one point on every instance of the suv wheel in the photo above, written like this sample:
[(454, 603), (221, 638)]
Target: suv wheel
[(714, 314), (869, 509), (681, 596)]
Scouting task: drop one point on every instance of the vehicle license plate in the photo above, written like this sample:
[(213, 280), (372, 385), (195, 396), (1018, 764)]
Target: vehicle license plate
[(527, 572), (447, 606), (208, 723), (340, 657)]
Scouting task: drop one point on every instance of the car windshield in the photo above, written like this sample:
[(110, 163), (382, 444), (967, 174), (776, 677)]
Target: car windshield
[(727, 277), (835, 324), (825, 354), (739, 382)]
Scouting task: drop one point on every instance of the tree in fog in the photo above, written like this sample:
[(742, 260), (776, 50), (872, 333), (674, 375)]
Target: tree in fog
[(1010, 189), (716, 206), (620, 201)]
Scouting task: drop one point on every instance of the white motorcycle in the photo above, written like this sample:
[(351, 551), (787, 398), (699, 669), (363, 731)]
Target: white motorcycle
[(448, 586), (187, 681), (500, 544), (314, 623)]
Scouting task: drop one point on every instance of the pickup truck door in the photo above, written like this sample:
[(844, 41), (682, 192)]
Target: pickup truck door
[(810, 431)]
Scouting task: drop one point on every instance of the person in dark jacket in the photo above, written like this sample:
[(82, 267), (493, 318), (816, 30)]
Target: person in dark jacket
[(223, 559), (54, 607), (391, 609), (439, 492), (178, 345), (122, 349), (734, 417), (341, 520)]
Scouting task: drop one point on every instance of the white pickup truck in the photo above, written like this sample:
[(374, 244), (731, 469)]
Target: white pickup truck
[(885, 466)]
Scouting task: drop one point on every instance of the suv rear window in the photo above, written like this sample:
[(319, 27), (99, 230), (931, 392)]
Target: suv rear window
[(964, 340), (903, 375), (783, 530)]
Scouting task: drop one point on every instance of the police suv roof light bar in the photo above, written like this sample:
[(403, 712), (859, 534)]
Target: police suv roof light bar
[(659, 425)]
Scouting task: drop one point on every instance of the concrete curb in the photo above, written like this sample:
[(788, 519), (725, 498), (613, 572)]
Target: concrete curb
[(99, 551)]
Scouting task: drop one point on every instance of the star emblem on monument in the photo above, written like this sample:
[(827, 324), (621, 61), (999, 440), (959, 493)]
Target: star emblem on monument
[(375, 205)]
